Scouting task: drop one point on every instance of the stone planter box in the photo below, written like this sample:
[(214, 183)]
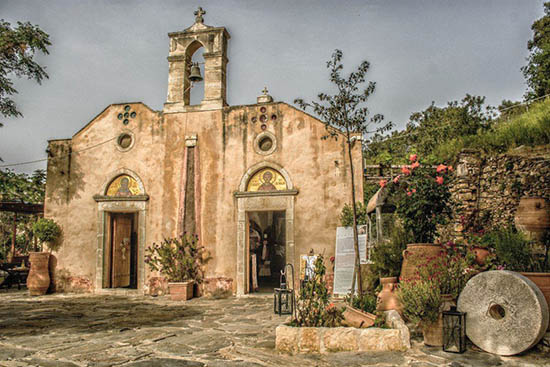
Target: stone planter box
[(294, 340)]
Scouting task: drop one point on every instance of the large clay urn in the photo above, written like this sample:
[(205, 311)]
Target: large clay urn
[(417, 254), (38, 280), (533, 216), (387, 298), (542, 281)]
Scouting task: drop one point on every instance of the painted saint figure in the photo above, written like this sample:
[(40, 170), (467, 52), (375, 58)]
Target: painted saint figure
[(267, 185), (124, 189)]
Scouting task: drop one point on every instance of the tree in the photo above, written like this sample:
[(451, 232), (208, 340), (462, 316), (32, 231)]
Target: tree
[(19, 187), (18, 47), (537, 70), (345, 115), (430, 129)]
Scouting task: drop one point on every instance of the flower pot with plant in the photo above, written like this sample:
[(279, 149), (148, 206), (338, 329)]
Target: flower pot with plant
[(48, 232), (434, 289), (515, 252), (181, 261), (423, 202)]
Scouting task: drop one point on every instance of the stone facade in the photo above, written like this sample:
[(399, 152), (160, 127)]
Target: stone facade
[(492, 185), (190, 167)]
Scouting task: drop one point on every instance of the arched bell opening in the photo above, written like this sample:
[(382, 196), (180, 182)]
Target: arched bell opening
[(194, 74)]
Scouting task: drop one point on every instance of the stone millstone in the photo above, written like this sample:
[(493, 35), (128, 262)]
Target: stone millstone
[(506, 313)]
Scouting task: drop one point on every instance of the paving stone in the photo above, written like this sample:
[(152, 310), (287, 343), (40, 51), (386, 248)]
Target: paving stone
[(91, 330), (165, 362)]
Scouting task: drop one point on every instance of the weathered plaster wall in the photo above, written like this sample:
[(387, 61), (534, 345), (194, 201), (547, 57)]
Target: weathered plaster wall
[(318, 168)]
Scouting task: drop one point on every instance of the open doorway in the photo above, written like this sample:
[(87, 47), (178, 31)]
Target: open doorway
[(120, 263), (267, 255)]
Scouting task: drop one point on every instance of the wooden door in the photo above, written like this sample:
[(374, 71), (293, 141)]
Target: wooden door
[(121, 247)]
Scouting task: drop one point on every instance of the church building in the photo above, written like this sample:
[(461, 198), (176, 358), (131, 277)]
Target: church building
[(233, 175)]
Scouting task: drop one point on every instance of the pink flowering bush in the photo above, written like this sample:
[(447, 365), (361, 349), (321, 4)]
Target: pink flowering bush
[(422, 198)]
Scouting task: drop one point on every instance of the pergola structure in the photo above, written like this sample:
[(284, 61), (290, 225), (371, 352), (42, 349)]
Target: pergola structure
[(19, 207)]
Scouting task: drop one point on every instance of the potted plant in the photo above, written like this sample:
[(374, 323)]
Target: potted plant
[(515, 252), (48, 232), (434, 289), (313, 307), (360, 310), (180, 260), (422, 200)]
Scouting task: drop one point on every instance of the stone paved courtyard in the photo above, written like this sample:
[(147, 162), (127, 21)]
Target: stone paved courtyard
[(87, 330)]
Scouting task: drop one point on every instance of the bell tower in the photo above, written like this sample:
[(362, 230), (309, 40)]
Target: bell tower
[(183, 45)]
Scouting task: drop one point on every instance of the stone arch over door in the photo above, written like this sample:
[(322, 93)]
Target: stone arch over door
[(133, 203), (248, 201)]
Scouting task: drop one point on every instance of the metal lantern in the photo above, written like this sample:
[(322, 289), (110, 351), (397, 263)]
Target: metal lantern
[(283, 301), (454, 331)]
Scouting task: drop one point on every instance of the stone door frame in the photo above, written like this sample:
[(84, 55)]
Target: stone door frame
[(282, 200), (131, 204)]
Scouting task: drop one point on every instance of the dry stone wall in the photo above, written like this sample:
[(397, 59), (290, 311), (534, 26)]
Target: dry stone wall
[(491, 186)]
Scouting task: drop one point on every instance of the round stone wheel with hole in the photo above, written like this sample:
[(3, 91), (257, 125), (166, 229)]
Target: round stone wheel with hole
[(506, 313)]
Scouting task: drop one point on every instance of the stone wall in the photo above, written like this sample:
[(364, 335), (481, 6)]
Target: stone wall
[(491, 186)]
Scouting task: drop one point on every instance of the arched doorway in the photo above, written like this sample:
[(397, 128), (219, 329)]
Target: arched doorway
[(266, 195), (121, 233)]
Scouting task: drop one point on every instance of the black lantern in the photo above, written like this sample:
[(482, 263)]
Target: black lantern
[(454, 331), (283, 302)]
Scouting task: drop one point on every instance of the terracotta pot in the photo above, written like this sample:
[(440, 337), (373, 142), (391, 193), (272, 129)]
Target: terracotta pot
[(387, 298), (481, 255), (433, 331), (418, 254), (533, 216), (38, 280), (357, 318), (181, 291), (542, 281)]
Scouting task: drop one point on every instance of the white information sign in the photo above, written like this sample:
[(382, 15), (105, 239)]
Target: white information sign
[(344, 261)]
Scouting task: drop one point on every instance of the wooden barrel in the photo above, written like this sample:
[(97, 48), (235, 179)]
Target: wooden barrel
[(533, 216)]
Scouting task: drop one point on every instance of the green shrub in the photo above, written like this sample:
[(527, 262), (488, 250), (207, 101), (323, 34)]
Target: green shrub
[(179, 259), (512, 248), (346, 217), (387, 256), (421, 300), (47, 230), (312, 305), (365, 302)]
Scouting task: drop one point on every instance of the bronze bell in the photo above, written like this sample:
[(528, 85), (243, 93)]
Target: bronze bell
[(195, 74)]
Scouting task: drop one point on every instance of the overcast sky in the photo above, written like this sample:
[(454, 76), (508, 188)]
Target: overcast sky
[(114, 51)]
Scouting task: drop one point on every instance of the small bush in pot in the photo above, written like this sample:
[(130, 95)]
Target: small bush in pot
[(180, 260), (48, 232)]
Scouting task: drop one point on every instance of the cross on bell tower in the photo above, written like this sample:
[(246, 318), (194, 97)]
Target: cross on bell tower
[(183, 45), (198, 15)]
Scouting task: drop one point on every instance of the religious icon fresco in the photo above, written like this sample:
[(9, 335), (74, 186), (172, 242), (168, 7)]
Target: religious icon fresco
[(124, 185), (267, 179)]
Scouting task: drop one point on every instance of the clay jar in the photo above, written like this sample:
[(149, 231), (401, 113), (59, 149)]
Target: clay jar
[(387, 298), (418, 254), (481, 255), (38, 280), (533, 216)]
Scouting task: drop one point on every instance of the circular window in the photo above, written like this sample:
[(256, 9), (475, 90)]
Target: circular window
[(263, 118), (127, 108), (125, 141), (265, 143)]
